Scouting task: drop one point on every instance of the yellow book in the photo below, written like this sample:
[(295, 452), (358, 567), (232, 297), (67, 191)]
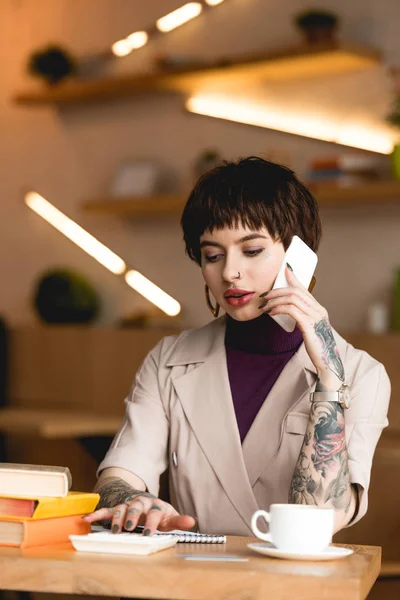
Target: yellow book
[(75, 503)]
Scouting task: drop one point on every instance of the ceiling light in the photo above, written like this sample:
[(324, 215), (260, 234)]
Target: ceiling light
[(153, 293), (121, 48), (213, 2), (365, 137), (179, 16), (137, 39), (75, 233)]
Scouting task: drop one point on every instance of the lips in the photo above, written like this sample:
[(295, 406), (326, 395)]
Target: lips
[(238, 297), (236, 293)]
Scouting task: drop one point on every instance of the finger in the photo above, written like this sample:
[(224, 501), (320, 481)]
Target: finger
[(294, 312), (136, 509), (291, 277), (292, 280), (310, 288), (155, 515), (178, 522), (297, 291), (293, 300), (118, 518), (103, 514)]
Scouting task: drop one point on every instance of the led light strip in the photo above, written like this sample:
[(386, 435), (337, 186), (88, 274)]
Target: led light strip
[(101, 253), (171, 21), (152, 292), (363, 137), (178, 17)]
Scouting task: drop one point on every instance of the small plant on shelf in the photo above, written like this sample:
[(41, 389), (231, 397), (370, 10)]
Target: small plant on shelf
[(53, 64), (317, 26)]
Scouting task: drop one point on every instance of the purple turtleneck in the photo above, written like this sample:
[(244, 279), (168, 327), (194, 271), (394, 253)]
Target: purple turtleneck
[(257, 352)]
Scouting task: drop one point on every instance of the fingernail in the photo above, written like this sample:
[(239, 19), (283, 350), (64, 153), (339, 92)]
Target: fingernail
[(289, 267), (129, 524), (263, 295), (147, 532), (263, 304), (114, 528), (84, 516)]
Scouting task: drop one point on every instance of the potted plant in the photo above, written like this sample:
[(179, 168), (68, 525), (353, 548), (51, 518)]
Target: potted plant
[(63, 296), (206, 160), (317, 26), (52, 64)]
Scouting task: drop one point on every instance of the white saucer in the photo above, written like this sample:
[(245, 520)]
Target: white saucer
[(329, 553)]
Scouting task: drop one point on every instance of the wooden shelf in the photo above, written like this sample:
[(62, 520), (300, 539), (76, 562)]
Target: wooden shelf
[(152, 206), (291, 64), (379, 192), (56, 424), (374, 192)]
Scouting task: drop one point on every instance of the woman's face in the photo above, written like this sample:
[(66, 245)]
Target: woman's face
[(225, 254)]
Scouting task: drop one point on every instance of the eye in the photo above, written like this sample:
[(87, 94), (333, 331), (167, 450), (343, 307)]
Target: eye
[(254, 252), (212, 259)]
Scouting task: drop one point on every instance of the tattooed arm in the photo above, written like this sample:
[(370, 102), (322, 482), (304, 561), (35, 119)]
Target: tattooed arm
[(321, 476), (123, 500)]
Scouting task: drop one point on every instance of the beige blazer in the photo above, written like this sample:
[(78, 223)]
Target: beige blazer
[(180, 415)]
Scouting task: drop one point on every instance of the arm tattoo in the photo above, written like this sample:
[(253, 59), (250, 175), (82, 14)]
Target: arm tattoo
[(114, 491), (321, 476), (330, 352)]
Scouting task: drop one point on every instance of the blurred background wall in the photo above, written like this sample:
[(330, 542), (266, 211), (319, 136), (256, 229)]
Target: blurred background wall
[(71, 154)]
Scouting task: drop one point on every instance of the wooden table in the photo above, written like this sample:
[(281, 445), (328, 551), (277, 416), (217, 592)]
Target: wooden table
[(58, 569)]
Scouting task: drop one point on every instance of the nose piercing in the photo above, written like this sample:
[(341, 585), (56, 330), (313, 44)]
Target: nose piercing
[(238, 275)]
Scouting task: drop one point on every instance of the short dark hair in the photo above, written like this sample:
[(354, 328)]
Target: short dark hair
[(253, 193)]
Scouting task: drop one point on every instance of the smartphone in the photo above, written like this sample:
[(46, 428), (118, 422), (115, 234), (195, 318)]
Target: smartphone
[(303, 261)]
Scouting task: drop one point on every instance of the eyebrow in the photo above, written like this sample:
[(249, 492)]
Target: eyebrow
[(246, 238)]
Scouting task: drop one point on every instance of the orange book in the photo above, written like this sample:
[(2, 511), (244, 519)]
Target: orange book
[(26, 534)]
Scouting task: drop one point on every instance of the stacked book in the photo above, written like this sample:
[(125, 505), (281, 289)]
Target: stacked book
[(37, 507), (344, 170)]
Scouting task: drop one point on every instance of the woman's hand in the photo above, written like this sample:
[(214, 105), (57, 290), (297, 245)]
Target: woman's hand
[(142, 509), (313, 321)]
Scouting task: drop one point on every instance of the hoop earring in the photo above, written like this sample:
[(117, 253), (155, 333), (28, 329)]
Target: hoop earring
[(214, 309)]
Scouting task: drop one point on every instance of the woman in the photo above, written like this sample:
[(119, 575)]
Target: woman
[(240, 412)]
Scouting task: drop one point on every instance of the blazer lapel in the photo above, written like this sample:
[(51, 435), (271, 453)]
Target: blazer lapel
[(207, 401), (264, 437)]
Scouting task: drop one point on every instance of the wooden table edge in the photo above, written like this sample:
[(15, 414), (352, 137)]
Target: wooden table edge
[(59, 569)]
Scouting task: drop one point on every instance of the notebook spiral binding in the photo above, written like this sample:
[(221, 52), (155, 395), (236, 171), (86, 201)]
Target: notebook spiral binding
[(191, 536)]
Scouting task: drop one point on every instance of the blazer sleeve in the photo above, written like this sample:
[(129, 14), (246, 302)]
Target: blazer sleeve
[(141, 443), (369, 405)]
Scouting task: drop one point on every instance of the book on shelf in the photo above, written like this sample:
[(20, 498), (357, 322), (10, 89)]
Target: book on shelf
[(29, 481), (75, 503), (26, 533), (344, 171)]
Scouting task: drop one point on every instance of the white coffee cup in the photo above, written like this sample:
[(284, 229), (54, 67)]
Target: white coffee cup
[(296, 527)]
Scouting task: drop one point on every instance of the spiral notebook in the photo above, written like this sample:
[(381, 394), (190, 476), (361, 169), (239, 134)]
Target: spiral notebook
[(190, 537), (194, 538)]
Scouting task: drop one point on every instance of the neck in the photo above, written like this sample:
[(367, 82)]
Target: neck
[(261, 336)]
